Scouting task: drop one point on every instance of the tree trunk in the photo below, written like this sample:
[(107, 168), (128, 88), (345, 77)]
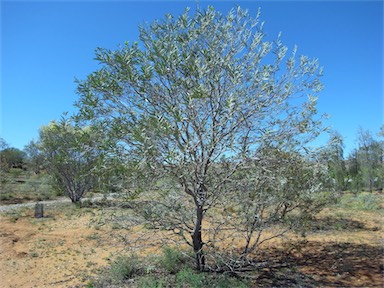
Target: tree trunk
[(197, 240)]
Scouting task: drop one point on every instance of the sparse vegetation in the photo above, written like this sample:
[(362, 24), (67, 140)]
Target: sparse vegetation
[(174, 260), (91, 253), (362, 201), (167, 270), (20, 186)]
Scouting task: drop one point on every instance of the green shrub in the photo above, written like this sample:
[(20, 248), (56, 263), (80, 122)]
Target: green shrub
[(173, 260), (123, 268), (149, 273), (152, 282), (369, 201), (362, 201), (5, 196), (16, 172), (90, 285), (189, 278)]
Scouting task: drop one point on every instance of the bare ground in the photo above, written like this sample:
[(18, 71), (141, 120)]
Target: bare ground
[(57, 251), (64, 249)]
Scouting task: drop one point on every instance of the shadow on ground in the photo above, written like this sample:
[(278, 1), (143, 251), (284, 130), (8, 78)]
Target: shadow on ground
[(325, 265), (330, 223)]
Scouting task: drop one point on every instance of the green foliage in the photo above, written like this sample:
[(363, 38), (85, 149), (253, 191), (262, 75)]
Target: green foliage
[(173, 260), (362, 201), (125, 268), (90, 285), (365, 164), (35, 157), (130, 271), (152, 282), (12, 158), (334, 156), (205, 87), (16, 214), (189, 278), (3, 144), (71, 157), (38, 187), (122, 269), (19, 186)]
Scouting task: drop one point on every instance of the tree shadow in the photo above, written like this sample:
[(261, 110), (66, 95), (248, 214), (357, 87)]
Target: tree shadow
[(330, 223), (325, 265)]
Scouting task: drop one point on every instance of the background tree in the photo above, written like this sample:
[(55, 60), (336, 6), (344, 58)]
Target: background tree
[(3, 144), (34, 157), (71, 157), (354, 172), (381, 133), (370, 153), (193, 104), (334, 155), (12, 158), (3, 164), (381, 158)]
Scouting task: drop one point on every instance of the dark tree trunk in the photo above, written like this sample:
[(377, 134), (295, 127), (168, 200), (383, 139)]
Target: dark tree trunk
[(197, 240)]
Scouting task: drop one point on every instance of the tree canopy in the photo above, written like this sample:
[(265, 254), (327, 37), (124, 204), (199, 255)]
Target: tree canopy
[(198, 102), (70, 157), (12, 158)]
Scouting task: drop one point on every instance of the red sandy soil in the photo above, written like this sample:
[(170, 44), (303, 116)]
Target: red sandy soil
[(65, 250)]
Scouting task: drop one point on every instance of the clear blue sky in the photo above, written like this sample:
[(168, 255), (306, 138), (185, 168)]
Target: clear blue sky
[(45, 45)]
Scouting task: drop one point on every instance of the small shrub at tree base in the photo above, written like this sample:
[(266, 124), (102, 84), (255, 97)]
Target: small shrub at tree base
[(172, 260), (124, 268), (152, 282), (189, 278)]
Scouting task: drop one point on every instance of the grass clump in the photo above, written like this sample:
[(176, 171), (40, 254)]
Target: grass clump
[(125, 268), (122, 269), (173, 260), (362, 201), (152, 281), (190, 278)]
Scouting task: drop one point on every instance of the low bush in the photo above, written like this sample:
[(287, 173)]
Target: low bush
[(121, 270), (189, 278), (171, 269), (173, 260), (362, 201), (152, 281)]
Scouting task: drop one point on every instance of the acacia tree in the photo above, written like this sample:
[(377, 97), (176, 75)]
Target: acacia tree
[(3, 163), (354, 171), (194, 103), (334, 156), (12, 157), (35, 159), (71, 157), (370, 157)]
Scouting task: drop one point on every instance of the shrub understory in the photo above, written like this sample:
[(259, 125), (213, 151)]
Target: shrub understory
[(170, 269), (362, 201)]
